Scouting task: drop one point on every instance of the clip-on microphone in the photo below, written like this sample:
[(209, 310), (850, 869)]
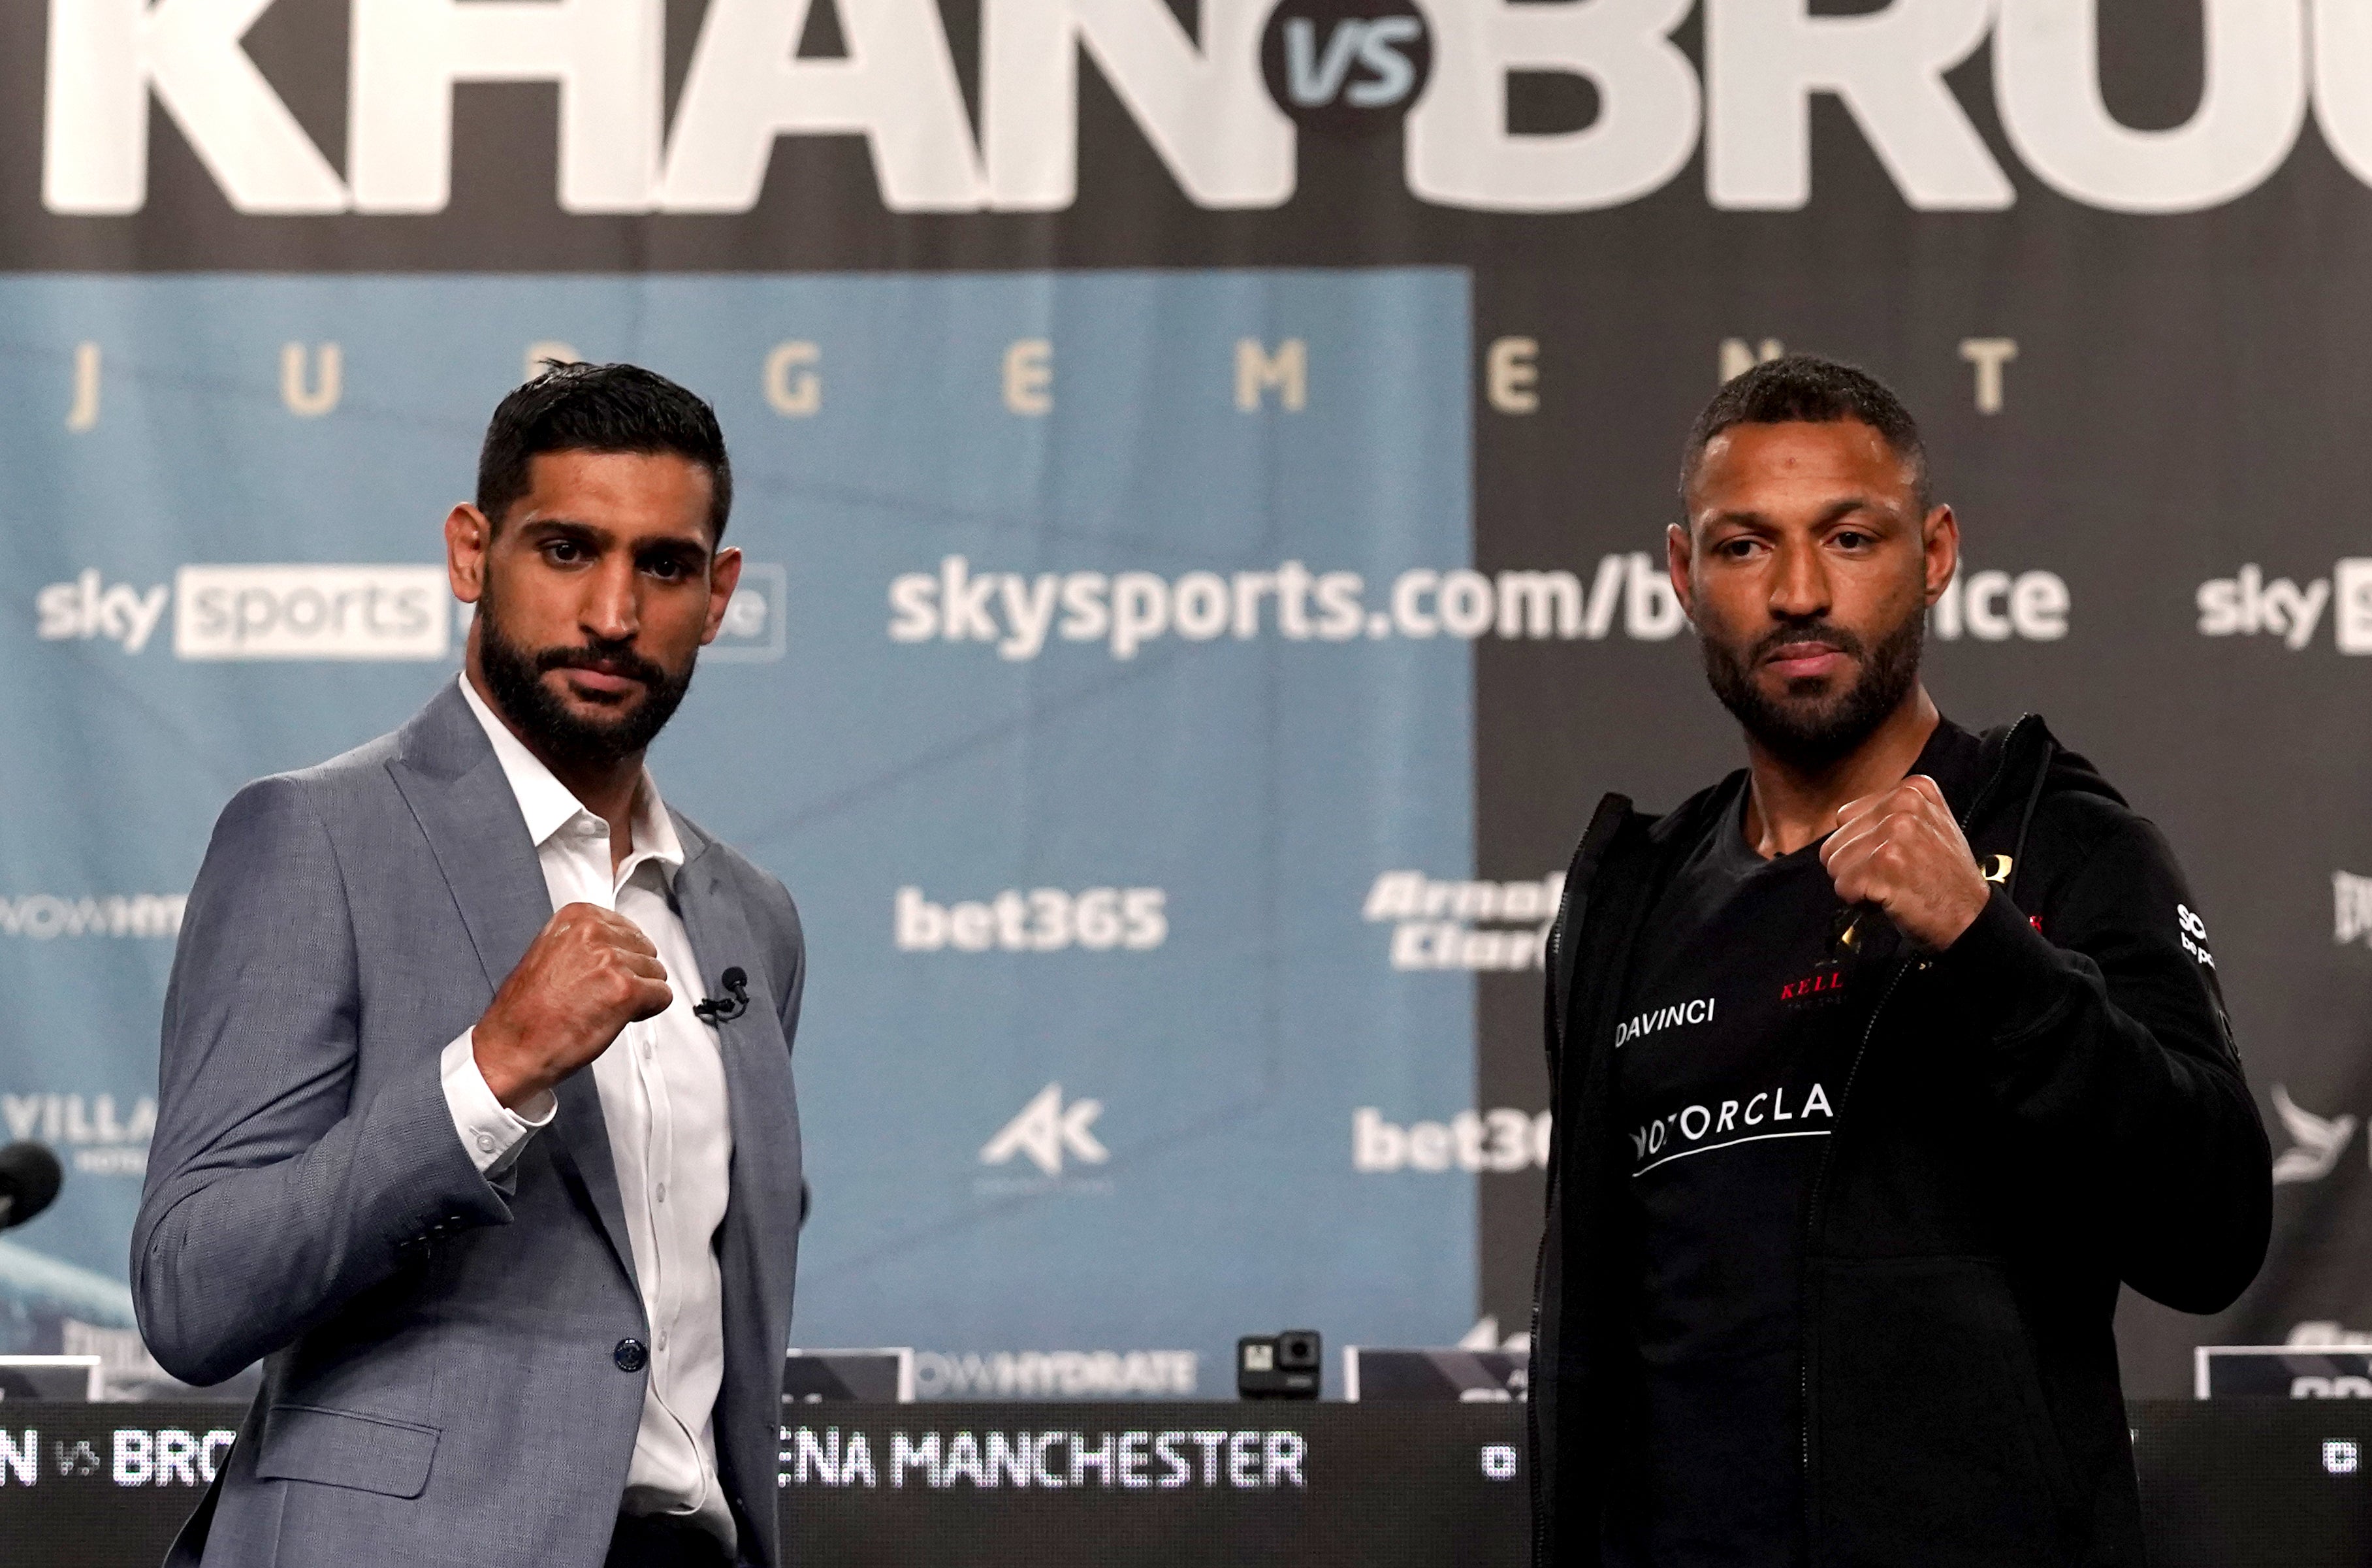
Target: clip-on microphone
[(732, 1004)]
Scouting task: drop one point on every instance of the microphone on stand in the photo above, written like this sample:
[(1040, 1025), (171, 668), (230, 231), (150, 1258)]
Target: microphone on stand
[(30, 1176)]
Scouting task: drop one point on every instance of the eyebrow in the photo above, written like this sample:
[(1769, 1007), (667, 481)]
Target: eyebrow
[(565, 525), (596, 534), (1835, 511)]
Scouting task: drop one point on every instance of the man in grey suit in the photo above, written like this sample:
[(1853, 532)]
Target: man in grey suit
[(446, 1133)]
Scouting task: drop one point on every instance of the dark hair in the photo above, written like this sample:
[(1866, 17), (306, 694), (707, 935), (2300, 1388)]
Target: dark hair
[(599, 408), (1817, 391)]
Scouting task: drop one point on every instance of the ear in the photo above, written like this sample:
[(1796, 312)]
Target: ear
[(1939, 539), (723, 576), (1680, 561), (467, 535)]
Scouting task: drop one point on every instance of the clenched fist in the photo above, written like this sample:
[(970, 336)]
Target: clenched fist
[(588, 974), (1900, 850)]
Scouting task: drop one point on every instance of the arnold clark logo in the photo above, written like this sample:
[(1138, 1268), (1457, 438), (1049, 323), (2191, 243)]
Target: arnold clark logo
[(1464, 924)]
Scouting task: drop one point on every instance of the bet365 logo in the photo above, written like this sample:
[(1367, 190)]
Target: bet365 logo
[(1346, 67)]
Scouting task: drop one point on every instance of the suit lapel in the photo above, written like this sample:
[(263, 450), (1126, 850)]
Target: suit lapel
[(765, 1200), (580, 1147), (449, 774), (473, 825), (757, 1249)]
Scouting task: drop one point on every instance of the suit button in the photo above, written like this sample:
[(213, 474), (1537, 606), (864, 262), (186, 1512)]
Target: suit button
[(630, 1356)]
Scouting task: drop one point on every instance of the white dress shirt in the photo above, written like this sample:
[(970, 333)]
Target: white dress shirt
[(664, 1099)]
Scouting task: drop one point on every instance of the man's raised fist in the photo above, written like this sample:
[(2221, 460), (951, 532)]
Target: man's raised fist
[(588, 974), (1900, 850)]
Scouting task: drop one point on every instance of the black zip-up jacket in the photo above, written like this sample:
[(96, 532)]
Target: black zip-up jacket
[(2050, 1107)]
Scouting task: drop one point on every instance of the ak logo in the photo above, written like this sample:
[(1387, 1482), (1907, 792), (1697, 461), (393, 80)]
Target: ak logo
[(1046, 1131), (1346, 67)]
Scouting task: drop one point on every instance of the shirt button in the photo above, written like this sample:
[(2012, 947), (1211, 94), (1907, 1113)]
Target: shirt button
[(662, 1339), (630, 1356), (662, 1198), (486, 1141)]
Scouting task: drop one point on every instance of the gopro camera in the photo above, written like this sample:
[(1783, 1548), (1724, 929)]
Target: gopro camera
[(1277, 1366)]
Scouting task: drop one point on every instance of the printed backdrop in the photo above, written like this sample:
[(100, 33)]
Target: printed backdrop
[(1203, 467)]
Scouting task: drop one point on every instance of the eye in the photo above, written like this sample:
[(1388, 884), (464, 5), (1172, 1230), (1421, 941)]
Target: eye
[(1737, 548), (1853, 538), (666, 568), (564, 552)]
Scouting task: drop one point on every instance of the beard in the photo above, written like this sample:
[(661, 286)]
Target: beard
[(1810, 731), (515, 676)]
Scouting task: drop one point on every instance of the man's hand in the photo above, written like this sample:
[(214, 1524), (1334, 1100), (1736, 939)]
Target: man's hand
[(588, 974), (1900, 850)]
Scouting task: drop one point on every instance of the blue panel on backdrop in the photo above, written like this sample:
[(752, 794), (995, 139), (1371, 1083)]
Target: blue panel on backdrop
[(1071, 694)]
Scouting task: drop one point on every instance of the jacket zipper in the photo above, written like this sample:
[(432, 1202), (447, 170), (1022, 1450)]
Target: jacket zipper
[(1553, 962), (1531, 1409), (1804, 1371), (1541, 1257), (1820, 1176)]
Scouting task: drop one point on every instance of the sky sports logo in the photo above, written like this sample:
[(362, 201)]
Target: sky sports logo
[(1127, 611), (311, 612), (283, 611), (277, 611), (2247, 604)]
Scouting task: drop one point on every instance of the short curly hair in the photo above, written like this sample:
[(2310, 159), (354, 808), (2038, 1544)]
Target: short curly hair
[(1817, 391)]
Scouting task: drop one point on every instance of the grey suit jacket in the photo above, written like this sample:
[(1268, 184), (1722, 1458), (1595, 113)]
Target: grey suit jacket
[(439, 1379)]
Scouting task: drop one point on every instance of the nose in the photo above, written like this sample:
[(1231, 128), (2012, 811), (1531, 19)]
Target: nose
[(611, 609), (1799, 584)]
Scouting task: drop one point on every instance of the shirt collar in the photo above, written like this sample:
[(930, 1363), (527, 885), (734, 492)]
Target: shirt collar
[(655, 837), (548, 806)]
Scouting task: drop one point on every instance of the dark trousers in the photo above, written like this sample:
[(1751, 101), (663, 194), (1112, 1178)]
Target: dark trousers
[(657, 1541)]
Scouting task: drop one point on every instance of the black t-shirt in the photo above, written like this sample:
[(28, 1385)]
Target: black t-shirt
[(1748, 1003)]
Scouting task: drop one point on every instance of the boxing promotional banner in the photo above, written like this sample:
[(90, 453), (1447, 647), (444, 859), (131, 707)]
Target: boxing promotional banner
[(1203, 467)]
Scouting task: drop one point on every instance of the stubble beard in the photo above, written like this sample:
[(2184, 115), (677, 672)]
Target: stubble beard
[(1809, 730), (514, 678)]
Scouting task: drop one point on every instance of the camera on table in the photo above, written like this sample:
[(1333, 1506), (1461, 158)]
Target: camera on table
[(1278, 1366)]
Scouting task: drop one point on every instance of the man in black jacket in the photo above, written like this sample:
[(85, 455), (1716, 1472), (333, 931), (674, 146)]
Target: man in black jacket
[(1877, 1067)]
